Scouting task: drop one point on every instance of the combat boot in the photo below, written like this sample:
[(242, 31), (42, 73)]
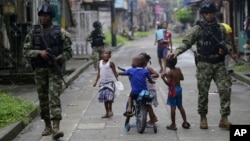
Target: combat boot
[(56, 130), (48, 128), (203, 122), (224, 123)]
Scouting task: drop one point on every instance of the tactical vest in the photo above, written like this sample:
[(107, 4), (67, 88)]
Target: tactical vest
[(206, 44), (97, 39), (44, 39)]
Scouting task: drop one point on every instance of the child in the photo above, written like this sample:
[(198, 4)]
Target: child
[(106, 73), (159, 34), (163, 46), (151, 89), (138, 77), (172, 78)]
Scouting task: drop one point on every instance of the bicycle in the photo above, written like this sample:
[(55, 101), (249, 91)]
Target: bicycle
[(139, 109)]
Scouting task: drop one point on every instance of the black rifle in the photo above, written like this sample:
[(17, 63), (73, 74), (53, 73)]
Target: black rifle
[(53, 60), (221, 45)]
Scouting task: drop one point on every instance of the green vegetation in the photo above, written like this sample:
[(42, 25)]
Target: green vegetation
[(177, 40), (184, 15), (13, 109), (123, 40), (241, 68), (142, 34), (119, 39)]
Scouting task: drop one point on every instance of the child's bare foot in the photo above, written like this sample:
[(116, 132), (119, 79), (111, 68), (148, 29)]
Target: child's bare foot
[(105, 116), (110, 113), (171, 127)]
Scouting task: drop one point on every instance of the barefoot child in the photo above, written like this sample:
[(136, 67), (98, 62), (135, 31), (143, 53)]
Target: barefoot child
[(172, 78), (107, 75)]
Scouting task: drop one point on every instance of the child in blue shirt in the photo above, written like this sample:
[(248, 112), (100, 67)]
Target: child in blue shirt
[(138, 76), (159, 34)]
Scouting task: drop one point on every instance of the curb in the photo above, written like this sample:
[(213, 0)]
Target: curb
[(10, 132), (77, 72), (242, 77)]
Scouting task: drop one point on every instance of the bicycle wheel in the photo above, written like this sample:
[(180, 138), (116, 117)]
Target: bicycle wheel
[(141, 119), (127, 125)]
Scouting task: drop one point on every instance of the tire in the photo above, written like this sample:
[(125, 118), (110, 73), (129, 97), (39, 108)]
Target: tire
[(127, 120), (155, 129), (141, 119), (127, 127)]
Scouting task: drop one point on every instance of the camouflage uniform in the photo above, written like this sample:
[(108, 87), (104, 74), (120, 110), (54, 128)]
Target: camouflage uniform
[(209, 69), (97, 46), (97, 55), (49, 84)]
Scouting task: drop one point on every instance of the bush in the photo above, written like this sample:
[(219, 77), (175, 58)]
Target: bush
[(13, 109), (184, 15)]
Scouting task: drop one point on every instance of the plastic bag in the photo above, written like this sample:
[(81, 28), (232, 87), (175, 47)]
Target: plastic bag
[(119, 86)]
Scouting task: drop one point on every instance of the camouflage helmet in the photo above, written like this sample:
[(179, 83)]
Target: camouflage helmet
[(207, 6), (97, 24), (46, 8)]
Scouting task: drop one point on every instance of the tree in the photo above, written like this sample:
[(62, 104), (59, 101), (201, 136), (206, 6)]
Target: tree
[(184, 15)]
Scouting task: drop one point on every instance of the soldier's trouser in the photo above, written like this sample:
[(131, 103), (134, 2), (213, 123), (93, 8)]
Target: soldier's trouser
[(207, 72), (49, 88), (97, 55)]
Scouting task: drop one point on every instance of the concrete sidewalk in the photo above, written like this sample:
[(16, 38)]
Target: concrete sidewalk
[(28, 92)]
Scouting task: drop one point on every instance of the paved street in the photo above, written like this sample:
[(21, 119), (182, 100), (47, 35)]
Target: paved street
[(82, 112)]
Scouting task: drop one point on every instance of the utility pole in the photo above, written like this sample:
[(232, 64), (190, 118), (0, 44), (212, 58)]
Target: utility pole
[(113, 24), (131, 20)]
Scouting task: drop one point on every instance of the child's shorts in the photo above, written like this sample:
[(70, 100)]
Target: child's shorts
[(162, 51), (175, 101)]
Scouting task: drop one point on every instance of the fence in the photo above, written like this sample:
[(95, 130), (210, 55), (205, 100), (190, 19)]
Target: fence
[(84, 20)]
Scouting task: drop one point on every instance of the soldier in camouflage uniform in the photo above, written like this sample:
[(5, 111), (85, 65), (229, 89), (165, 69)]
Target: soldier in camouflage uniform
[(97, 42), (210, 62), (43, 37)]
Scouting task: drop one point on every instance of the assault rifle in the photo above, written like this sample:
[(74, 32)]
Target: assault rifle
[(221, 44), (53, 60)]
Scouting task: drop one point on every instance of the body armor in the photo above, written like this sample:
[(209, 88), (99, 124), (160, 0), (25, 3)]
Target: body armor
[(97, 38), (207, 45), (45, 40)]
